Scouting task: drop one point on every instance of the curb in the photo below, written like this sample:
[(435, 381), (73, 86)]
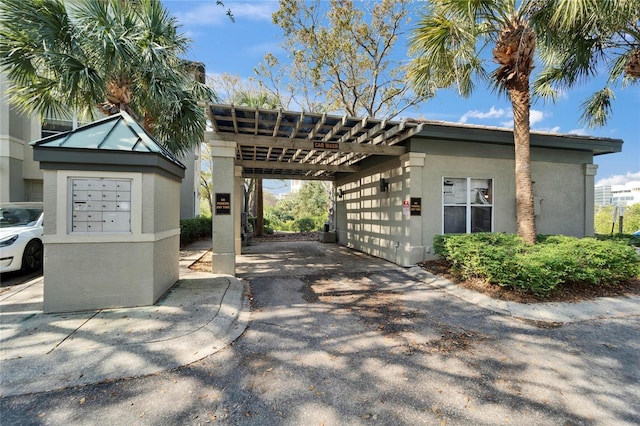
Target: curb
[(556, 312), (200, 315)]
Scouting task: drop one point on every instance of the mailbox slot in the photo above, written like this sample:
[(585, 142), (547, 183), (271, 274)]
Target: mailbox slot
[(100, 205)]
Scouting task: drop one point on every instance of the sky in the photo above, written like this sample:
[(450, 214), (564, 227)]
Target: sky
[(236, 48)]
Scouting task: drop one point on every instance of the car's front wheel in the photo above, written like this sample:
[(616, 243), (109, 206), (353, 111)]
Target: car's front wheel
[(32, 256)]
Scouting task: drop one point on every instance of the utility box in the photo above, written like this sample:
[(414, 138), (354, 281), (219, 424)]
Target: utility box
[(327, 237), (111, 216)]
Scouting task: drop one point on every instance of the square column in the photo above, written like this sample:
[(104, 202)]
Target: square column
[(237, 208), (413, 166), (589, 198), (225, 208)]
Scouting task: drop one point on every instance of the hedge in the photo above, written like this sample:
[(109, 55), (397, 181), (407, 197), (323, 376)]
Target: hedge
[(195, 229), (632, 240), (506, 260)]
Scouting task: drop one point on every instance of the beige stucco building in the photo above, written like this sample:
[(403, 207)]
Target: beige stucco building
[(111, 225), (461, 179), (397, 184)]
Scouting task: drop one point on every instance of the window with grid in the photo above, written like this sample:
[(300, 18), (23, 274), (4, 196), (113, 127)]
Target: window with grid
[(467, 205)]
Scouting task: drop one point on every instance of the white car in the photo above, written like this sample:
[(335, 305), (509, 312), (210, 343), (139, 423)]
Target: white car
[(21, 237)]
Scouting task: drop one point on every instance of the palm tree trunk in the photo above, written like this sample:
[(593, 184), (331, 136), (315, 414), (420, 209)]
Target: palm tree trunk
[(632, 68), (525, 216)]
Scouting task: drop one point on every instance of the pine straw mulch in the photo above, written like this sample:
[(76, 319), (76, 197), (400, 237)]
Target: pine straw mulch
[(572, 293)]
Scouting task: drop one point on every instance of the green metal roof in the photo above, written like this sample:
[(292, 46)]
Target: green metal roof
[(118, 132)]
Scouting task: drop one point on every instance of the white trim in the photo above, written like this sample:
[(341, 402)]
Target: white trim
[(98, 237), (467, 205)]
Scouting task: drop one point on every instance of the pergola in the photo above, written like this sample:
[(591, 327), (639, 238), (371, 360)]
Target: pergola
[(353, 152), (278, 144)]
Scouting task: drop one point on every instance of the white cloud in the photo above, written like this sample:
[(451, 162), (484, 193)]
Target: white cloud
[(555, 129), (213, 14), (619, 179), (257, 11), (580, 132), (492, 113), (535, 116)]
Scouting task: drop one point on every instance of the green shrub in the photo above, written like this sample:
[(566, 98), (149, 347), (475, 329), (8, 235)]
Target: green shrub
[(266, 222), (305, 224), (556, 260), (632, 240), (479, 254), (195, 229), (319, 221)]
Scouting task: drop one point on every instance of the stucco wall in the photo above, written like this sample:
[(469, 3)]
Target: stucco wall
[(368, 219), (561, 188), (16, 155), (439, 166), (190, 188), (166, 258), (91, 270), (12, 175), (225, 230), (84, 276), (376, 223), (50, 203), (161, 203)]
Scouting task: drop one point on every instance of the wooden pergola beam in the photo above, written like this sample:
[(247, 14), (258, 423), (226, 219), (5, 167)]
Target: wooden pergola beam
[(314, 146), (256, 164)]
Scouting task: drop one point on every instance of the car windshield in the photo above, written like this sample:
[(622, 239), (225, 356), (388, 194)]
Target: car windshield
[(18, 216)]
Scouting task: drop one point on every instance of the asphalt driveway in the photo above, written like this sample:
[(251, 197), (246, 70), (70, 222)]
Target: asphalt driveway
[(340, 338)]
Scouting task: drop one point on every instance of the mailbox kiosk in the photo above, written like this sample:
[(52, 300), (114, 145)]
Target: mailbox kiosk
[(112, 216)]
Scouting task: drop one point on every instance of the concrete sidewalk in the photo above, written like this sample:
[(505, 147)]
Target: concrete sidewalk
[(558, 312), (199, 316)]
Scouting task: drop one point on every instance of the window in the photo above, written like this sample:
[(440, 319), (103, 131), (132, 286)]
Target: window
[(467, 205), (53, 124)]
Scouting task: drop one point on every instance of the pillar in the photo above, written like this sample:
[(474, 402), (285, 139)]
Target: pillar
[(223, 216), (589, 198), (260, 208), (413, 165), (238, 208)]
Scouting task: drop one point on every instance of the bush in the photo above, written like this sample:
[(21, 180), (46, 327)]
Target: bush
[(194, 229), (508, 261), (305, 224), (319, 221), (632, 240)]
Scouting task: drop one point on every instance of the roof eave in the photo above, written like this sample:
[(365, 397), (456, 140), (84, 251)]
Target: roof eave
[(478, 134)]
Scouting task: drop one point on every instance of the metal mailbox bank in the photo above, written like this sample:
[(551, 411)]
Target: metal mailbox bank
[(112, 216)]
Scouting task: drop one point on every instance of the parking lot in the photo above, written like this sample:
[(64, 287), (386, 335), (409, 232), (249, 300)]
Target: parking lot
[(338, 337)]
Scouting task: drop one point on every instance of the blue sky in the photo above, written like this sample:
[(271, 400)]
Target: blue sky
[(238, 47)]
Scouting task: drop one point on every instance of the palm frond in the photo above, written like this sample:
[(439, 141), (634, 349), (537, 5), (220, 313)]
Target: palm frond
[(597, 109), (444, 48)]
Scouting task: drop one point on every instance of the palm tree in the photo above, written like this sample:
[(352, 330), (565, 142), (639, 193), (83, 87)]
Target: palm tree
[(447, 45), (260, 99), (582, 38), (64, 56)]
